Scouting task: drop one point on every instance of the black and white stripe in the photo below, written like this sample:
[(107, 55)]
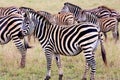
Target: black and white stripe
[(65, 18), (69, 7), (10, 26), (68, 41), (109, 24), (9, 10), (103, 12)]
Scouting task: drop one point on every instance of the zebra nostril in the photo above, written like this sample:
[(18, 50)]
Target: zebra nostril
[(78, 21)]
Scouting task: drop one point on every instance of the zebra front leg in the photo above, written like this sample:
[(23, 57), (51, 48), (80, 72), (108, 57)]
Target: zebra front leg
[(49, 60), (91, 63), (58, 62), (22, 50)]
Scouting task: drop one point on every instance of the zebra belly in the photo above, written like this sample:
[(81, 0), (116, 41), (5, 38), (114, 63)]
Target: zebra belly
[(74, 52)]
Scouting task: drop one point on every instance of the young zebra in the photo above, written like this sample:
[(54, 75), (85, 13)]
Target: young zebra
[(105, 24), (109, 24), (10, 26), (68, 41), (104, 12), (9, 10), (60, 18), (86, 16)]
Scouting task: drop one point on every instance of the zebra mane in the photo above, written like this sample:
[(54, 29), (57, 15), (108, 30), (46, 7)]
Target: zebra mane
[(67, 3), (26, 8), (39, 16), (104, 7)]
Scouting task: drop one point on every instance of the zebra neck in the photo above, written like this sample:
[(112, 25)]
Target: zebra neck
[(42, 32)]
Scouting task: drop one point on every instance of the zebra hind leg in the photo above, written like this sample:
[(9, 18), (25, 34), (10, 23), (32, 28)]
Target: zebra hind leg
[(91, 63), (86, 70), (58, 62)]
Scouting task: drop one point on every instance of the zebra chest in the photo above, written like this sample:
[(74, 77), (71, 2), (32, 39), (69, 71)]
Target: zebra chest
[(4, 39)]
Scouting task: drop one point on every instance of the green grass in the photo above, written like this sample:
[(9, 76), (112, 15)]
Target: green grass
[(73, 67)]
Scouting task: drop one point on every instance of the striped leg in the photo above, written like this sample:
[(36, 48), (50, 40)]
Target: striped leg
[(58, 62), (105, 36), (22, 50), (115, 34), (86, 70), (91, 63), (49, 61), (26, 42)]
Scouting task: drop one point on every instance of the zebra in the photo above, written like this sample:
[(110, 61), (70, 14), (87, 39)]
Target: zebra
[(103, 12), (9, 10), (10, 26), (68, 41), (26, 38), (60, 18), (109, 24), (105, 24), (88, 16), (65, 18), (69, 7)]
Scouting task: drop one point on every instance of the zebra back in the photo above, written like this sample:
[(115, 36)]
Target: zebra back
[(9, 10), (65, 18), (104, 11), (86, 16), (108, 24)]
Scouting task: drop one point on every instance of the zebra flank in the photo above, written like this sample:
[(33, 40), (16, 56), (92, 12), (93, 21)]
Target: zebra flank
[(68, 41)]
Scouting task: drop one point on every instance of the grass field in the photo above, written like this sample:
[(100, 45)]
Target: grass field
[(73, 67)]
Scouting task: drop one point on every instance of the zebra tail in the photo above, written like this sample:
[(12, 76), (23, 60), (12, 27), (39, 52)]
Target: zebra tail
[(103, 52)]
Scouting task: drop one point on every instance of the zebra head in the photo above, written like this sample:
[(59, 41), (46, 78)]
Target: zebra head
[(28, 25)]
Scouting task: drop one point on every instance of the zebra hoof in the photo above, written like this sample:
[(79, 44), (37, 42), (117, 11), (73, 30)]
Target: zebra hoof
[(47, 78), (84, 78), (60, 77)]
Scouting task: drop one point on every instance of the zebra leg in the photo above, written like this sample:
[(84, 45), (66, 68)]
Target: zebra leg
[(22, 50), (86, 70), (115, 34), (49, 60), (26, 42), (91, 63), (105, 36), (58, 62)]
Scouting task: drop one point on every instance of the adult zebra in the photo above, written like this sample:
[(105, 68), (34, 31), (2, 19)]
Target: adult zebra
[(10, 26), (68, 41)]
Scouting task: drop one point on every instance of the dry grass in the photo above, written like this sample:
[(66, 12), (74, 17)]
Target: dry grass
[(73, 66)]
